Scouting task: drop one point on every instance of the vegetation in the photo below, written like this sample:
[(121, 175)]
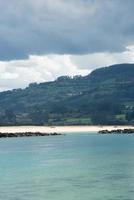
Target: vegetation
[(106, 96)]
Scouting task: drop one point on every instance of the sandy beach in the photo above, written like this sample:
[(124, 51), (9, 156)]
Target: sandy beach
[(58, 129)]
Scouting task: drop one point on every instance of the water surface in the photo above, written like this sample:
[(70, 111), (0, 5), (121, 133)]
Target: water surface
[(76, 166)]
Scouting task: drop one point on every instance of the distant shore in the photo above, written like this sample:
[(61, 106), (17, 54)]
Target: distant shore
[(59, 129)]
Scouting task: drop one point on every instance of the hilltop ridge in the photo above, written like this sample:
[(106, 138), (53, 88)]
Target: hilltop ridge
[(106, 96)]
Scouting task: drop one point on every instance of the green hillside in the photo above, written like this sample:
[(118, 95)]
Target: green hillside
[(106, 96)]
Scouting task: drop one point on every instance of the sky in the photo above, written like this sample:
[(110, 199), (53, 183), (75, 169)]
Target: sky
[(42, 40)]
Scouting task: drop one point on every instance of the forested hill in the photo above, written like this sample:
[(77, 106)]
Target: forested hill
[(106, 96)]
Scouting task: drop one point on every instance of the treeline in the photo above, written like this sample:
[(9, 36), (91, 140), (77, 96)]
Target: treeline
[(103, 113)]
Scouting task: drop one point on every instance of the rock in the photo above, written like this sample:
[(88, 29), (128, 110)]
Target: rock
[(117, 131), (27, 134)]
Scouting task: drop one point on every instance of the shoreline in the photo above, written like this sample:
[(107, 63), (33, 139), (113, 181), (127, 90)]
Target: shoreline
[(61, 129)]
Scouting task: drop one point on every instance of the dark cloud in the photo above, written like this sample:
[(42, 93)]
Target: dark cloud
[(64, 26)]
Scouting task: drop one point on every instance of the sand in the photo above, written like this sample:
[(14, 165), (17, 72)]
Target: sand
[(58, 129)]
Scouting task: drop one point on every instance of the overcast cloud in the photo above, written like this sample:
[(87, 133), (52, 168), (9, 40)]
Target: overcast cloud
[(65, 37), (64, 26)]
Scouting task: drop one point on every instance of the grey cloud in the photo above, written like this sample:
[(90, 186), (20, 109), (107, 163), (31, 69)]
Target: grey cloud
[(64, 27)]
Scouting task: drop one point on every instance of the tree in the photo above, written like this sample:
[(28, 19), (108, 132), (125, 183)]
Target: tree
[(10, 116), (39, 117)]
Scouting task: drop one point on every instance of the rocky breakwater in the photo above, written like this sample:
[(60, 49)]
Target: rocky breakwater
[(117, 131), (27, 134)]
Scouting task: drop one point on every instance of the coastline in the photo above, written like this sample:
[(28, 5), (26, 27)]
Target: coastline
[(61, 129)]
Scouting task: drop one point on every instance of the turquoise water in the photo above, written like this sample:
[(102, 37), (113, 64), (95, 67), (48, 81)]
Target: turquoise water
[(75, 166)]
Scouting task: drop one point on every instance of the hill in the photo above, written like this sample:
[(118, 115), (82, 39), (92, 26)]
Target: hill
[(106, 96)]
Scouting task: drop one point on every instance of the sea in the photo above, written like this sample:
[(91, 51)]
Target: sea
[(75, 166)]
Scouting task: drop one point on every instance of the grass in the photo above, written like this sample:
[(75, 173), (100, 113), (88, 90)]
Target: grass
[(73, 121), (121, 117)]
